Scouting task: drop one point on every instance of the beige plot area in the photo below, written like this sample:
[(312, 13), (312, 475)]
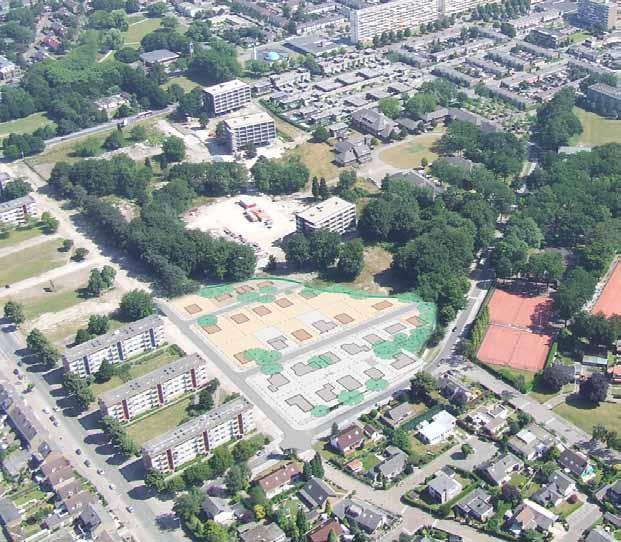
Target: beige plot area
[(193, 305)]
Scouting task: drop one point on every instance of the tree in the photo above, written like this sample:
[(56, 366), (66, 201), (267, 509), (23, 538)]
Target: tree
[(115, 140), (510, 494), (301, 521), (189, 504), (599, 432), (82, 335), (297, 250), (251, 150), (173, 149), (595, 388), (401, 439), (41, 348), (79, 255), (96, 284), (221, 460), (347, 180), (390, 106), (422, 386), (49, 223), (333, 536), (555, 376), (198, 473), (259, 512), (14, 312), (155, 479), (315, 188), (321, 134), (324, 248), (237, 478), (317, 466), (351, 260), (67, 245), (137, 304), (105, 372), (467, 449), (17, 188), (215, 532), (324, 192), (257, 496)]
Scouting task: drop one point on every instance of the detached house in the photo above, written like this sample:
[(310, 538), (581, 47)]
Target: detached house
[(577, 464), (499, 471), (280, 480), (348, 440), (559, 487), (373, 122)]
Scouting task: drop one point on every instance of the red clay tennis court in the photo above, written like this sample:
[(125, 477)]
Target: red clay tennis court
[(520, 310), (515, 348), (609, 301), (515, 337)]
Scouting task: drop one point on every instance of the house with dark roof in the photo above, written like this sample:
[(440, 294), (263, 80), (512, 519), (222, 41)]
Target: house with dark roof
[(559, 487), (321, 533), (500, 470), (14, 463), (219, 509), (353, 151), (613, 493), (315, 493), (599, 535), (281, 479), (477, 505), (576, 463), (373, 122), (454, 390), (348, 440), (366, 516), (95, 519)]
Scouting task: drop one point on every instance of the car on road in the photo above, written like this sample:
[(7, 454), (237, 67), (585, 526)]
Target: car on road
[(54, 421), (130, 509), (111, 486), (45, 410), (100, 472), (16, 372), (87, 462), (78, 451)]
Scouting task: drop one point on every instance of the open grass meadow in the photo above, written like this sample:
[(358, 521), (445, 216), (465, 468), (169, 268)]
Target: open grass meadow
[(24, 125), (586, 415), (138, 29), (31, 262), (408, 155), (318, 158), (19, 235), (153, 425), (596, 130)]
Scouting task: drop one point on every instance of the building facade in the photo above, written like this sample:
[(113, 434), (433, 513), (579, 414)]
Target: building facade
[(605, 99), (227, 97), (600, 14), (155, 389), (200, 435), (334, 214), (115, 347), (258, 129), (17, 211)]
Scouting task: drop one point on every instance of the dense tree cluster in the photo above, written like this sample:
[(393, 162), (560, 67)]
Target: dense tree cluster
[(42, 349), (14, 189), (117, 434), (21, 145), (216, 64), (279, 176), (556, 122)]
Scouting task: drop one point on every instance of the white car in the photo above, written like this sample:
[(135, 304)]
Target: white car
[(111, 486)]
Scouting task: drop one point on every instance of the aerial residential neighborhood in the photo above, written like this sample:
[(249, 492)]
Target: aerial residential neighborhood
[(310, 271)]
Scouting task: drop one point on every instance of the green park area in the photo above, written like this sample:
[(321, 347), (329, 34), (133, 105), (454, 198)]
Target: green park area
[(19, 235), (155, 424), (31, 261), (24, 125), (596, 130), (318, 158), (586, 415), (143, 365), (408, 155), (184, 82), (138, 29)]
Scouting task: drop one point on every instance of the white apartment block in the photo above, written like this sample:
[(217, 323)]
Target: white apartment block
[(334, 214), (155, 389), (258, 128), (17, 211), (450, 7), (370, 21), (227, 97), (115, 347), (199, 436)]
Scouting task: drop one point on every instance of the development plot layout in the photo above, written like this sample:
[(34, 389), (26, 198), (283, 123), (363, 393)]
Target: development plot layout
[(312, 352), (517, 336), (609, 301)]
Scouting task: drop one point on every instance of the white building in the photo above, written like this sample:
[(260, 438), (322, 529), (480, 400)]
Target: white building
[(258, 128), (227, 97), (370, 21), (155, 389), (199, 436), (8, 69), (116, 346), (334, 214), (449, 7), (17, 211), (438, 429)]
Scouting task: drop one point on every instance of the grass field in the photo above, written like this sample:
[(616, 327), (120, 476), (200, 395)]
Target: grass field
[(596, 130), (139, 29), (376, 275), (19, 235), (25, 125), (317, 157), (160, 422), (541, 394), (149, 362), (52, 302), (408, 155), (566, 508), (184, 82), (287, 131), (586, 415), (31, 261)]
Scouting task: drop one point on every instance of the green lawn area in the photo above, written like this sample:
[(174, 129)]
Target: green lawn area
[(596, 130), (586, 415), (145, 364), (31, 262), (24, 125), (287, 131), (19, 235), (51, 302), (33, 494), (184, 82), (407, 155), (369, 461), (156, 424), (566, 508), (138, 29), (618, 535), (542, 394), (317, 157)]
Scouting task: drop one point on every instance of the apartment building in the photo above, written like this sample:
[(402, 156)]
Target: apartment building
[(200, 435), (17, 211), (333, 214), (450, 7), (600, 14), (155, 389), (259, 129), (372, 20), (116, 346), (227, 97), (605, 99)]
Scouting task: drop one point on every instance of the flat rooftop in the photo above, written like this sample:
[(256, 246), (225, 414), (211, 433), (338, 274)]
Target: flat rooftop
[(15, 203), (160, 55), (325, 209), (150, 380), (197, 425), (225, 87), (126, 332), (247, 120)]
